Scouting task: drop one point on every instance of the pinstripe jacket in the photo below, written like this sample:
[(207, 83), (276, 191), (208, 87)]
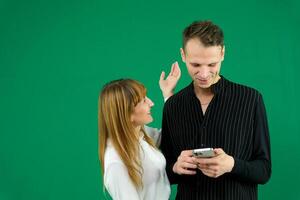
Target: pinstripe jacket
[(235, 121)]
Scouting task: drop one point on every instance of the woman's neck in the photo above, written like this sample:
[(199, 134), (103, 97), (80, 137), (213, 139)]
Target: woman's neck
[(138, 130)]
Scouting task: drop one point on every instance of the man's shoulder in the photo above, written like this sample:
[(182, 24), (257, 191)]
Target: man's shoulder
[(241, 89), (179, 97)]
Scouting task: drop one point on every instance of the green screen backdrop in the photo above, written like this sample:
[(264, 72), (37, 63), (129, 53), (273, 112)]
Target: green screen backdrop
[(56, 55)]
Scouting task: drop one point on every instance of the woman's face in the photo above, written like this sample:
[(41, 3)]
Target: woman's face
[(141, 114)]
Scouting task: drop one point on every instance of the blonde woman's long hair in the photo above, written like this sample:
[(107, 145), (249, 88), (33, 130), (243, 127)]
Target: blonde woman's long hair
[(116, 104)]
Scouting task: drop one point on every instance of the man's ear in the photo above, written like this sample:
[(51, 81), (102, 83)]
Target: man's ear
[(223, 52), (182, 55)]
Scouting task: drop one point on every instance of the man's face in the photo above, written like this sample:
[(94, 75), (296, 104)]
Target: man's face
[(203, 63)]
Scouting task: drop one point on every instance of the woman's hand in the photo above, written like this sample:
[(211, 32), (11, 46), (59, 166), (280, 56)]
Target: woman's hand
[(168, 85)]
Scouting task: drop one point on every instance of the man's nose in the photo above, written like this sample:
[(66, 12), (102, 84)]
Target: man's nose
[(203, 72)]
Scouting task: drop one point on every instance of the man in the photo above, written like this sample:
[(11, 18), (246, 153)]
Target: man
[(214, 112)]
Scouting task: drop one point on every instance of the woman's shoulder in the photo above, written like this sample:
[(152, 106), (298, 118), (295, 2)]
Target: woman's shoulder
[(111, 156), (154, 134)]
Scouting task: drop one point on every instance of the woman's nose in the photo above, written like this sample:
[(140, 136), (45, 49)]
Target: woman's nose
[(150, 103)]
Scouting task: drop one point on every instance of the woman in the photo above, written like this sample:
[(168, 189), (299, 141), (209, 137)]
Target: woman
[(132, 166)]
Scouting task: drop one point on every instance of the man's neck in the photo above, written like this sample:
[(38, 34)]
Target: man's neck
[(202, 91), (205, 92)]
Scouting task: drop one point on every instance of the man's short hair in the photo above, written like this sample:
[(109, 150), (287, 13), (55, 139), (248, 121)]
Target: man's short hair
[(208, 33)]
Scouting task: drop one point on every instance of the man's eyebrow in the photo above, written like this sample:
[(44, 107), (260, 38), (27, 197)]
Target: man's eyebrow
[(195, 63)]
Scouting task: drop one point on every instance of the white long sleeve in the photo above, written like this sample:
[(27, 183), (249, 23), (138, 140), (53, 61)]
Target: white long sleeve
[(118, 183), (156, 185), (154, 133)]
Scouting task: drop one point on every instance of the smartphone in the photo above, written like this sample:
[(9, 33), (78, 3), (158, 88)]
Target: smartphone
[(204, 153)]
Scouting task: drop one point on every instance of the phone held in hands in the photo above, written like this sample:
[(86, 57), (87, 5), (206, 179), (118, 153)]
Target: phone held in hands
[(204, 153)]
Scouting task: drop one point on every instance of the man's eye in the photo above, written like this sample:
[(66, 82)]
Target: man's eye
[(212, 65), (195, 65)]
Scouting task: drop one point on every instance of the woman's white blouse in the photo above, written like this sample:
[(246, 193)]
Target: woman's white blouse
[(156, 185)]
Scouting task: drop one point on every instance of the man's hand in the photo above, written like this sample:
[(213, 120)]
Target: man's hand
[(216, 166), (185, 163), (168, 85)]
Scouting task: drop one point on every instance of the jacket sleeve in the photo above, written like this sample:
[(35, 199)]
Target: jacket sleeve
[(167, 147), (258, 169)]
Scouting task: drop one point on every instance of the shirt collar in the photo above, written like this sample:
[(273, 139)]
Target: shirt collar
[(216, 88)]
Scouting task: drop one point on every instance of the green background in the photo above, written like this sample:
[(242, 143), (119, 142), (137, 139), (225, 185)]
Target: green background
[(56, 55)]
